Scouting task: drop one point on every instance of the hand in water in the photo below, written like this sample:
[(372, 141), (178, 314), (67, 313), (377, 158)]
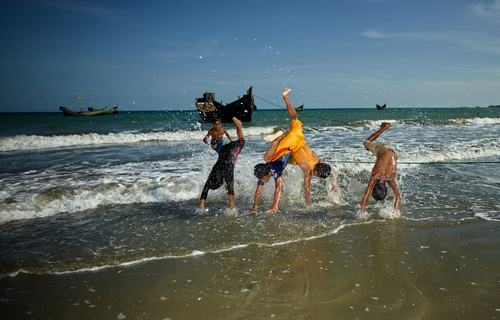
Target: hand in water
[(362, 215)]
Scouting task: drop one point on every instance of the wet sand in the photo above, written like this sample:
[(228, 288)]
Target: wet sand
[(380, 270)]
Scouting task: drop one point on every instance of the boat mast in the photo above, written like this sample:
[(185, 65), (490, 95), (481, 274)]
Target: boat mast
[(81, 97)]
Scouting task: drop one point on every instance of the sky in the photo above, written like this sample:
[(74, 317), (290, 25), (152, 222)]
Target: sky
[(161, 55)]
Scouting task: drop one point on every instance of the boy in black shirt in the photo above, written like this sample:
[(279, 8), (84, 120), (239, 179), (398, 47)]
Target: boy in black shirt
[(223, 169)]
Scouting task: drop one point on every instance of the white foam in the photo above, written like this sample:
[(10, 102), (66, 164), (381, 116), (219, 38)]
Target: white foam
[(43, 194), (452, 151), (374, 123), (389, 214), (24, 142), (485, 216), (63, 189), (362, 215), (477, 121)]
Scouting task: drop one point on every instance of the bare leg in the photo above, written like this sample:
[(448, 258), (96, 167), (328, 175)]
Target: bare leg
[(272, 149), (384, 126), (289, 107), (277, 137), (272, 137), (239, 132)]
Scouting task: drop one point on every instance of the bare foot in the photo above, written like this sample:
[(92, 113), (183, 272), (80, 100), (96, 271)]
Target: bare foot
[(236, 121), (273, 136), (286, 92)]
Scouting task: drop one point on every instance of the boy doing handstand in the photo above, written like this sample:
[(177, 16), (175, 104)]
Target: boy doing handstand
[(223, 169), (383, 171), (292, 144)]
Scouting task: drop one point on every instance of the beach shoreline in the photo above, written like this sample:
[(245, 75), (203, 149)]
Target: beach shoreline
[(398, 269)]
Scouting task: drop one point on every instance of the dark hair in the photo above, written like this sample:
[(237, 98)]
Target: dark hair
[(379, 191), (215, 180), (323, 170), (261, 170)]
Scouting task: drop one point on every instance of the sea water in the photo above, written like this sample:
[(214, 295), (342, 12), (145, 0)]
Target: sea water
[(116, 198)]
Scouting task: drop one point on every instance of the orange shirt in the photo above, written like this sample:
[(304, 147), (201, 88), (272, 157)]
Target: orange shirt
[(305, 154), (292, 141)]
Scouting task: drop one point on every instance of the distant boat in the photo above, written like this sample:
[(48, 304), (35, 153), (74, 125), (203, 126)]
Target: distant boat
[(211, 110), (381, 107), (91, 111), (301, 108)]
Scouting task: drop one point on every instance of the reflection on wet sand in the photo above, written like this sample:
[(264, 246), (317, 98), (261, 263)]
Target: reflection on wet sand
[(377, 270)]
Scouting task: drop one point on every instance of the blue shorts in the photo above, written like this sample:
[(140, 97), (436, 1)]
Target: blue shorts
[(277, 166), (217, 145)]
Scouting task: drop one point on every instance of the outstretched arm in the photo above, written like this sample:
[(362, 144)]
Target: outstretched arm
[(334, 186), (384, 126), (205, 139), (258, 193), (307, 180), (307, 187), (369, 189), (227, 135), (394, 187)]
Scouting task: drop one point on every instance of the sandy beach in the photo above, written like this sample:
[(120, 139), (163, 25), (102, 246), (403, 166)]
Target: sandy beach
[(378, 270)]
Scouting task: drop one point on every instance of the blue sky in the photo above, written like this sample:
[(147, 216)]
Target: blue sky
[(150, 55)]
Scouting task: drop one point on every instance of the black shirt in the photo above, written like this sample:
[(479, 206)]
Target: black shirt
[(228, 155)]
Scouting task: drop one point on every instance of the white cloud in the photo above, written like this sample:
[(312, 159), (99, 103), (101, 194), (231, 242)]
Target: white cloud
[(489, 9), (174, 56), (74, 6), (469, 40), (373, 34), (380, 35)]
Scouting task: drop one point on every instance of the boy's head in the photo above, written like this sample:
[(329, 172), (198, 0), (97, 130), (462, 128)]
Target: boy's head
[(215, 180), (217, 123), (379, 191), (322, 170), (262, 172)]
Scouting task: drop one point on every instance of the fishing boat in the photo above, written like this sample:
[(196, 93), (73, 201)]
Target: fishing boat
[(300, 108), (91, 111), (379, 107), (211, 110)]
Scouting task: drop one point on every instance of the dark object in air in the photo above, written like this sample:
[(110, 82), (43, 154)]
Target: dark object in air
[(301, 108), (92, 112), (211, 110), (381, 107)]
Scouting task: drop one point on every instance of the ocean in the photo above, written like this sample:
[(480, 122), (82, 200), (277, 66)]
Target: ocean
[(99, 219)]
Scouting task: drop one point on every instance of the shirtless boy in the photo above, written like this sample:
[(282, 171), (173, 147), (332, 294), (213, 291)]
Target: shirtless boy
[(216, 134), (383, 171), (223, 169)]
